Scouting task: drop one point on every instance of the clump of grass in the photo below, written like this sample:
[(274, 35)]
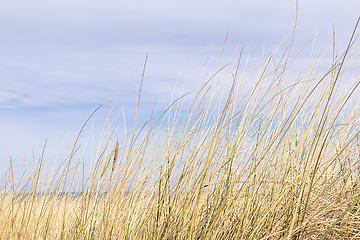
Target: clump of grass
[(275, 159)]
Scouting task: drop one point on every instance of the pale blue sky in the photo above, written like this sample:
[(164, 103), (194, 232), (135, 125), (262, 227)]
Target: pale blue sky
[(61, 59)]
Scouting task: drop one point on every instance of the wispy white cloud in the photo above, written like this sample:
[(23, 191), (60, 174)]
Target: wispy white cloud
[(70, 56)]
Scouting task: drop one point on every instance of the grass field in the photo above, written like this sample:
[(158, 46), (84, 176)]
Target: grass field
[(264, 158)]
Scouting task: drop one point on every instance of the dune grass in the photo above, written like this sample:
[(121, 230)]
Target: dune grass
[(264, 158)]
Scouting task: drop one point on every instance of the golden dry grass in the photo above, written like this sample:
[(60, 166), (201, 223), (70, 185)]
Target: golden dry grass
[(277, 160)]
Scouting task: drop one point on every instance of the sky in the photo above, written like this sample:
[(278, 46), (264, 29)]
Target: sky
[(60, 60)]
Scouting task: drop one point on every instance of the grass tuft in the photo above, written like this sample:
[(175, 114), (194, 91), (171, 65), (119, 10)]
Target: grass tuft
[(254, 155)]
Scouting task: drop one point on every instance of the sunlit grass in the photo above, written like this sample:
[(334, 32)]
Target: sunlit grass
[(271, 159)]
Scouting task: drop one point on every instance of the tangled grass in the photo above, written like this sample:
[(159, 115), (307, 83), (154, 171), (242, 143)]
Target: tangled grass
[(275, 159)]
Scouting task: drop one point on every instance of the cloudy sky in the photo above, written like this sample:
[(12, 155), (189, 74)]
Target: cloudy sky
[(59, 60)]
